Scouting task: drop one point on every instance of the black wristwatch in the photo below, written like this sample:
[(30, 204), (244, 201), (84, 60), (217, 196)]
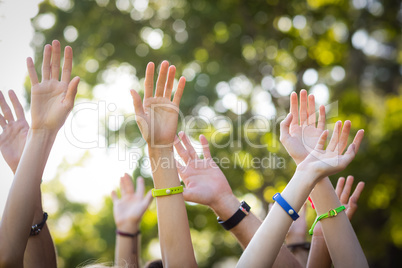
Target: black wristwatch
[(242, 212)]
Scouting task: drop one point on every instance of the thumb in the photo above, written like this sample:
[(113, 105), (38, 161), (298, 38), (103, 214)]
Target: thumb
[(285, 124)]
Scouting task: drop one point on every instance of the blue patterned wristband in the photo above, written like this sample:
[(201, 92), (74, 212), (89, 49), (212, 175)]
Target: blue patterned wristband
[(282, 202)]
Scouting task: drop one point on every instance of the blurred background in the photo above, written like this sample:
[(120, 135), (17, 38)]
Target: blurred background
[(242, 59)]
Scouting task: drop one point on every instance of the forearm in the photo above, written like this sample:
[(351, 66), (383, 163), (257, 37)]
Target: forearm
[(266, 243), (343, 245), (319, 255), (24, 196), (40, 250), (127, 251), (174, 230), (245, 230)]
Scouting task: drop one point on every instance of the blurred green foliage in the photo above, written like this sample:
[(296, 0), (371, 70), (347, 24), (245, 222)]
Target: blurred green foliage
[(253, 54)]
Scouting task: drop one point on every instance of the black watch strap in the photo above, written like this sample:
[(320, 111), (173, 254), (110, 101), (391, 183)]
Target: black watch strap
[(242, 212)]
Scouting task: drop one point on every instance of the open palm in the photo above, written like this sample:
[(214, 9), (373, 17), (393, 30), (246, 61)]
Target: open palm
[(52, 99), (300, 138), (205, 182), (332, 160), (128, 209), (157, 116), (12, 140)]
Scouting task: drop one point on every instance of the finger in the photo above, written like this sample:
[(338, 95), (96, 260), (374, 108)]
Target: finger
[(72, 90), (321, 118), (339, 187), (181, 150), (358, 139), (186, 141), (138, 108), (19, 110), (311, 110), (114, 196), (160, 84), (356, 194), (55, 65), (180, 169), (352, 205), (285, 124), (343, 140), (8, 115), (148, 198), (321, 141), (335, 137), (3, 122), (348, 156), (149, 80), (303, 107), (294, 108), (346, 190), (32, 72), (140, 187), (205, 147), (170, 82), (67, 65), (46, 62), (179, 91), (126, 185)]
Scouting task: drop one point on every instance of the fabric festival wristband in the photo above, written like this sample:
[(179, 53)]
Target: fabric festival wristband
[(127, 234), (282, 202), (330, 214), (167, 191)]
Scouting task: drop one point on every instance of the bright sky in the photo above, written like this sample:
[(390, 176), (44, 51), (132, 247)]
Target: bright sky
[(100, 173)]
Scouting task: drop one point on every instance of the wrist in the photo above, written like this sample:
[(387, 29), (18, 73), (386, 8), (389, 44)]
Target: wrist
[(226, 206), (129, 227), (309, 174), (42, 134), (160, 152)]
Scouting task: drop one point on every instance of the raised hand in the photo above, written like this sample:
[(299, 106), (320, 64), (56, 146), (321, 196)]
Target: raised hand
[(157, 115), (205, 182), (331, 160), (13, 138), (343, 192), (300, 137), (52, 99), (129, 209)]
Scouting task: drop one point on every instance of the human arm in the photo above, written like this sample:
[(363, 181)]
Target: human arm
[(296, 240), (207, 185), (157, 118), (319, 255), (320, 162), (51, 102), (40, 251), (128, 211), (299, 137)]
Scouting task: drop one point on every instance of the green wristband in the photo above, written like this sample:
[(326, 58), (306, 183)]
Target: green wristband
[(330, 214), (167, 191)]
